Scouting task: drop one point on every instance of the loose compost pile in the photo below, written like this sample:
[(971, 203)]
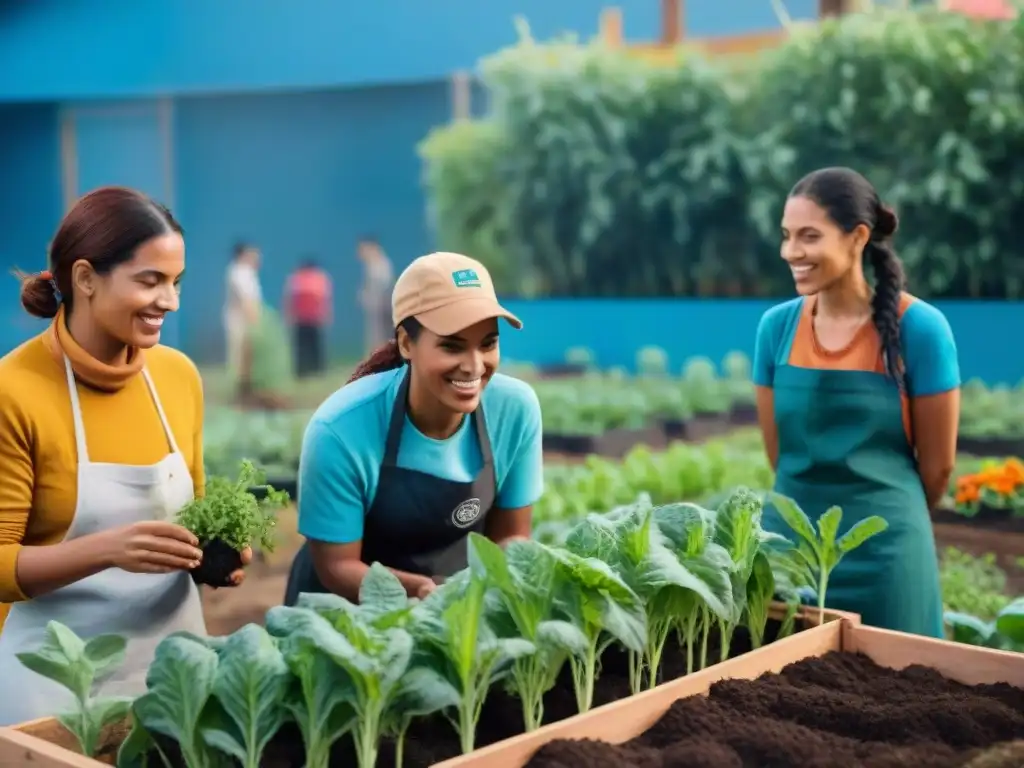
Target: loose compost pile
[(840, 709)]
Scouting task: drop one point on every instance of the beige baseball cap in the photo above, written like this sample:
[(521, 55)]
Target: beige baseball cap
[(447, 293)]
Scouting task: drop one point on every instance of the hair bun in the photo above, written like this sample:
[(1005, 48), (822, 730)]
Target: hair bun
[(886, 222), (39, 295)]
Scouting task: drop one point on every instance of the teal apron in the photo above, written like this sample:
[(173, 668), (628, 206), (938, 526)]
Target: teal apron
[(842, 442)]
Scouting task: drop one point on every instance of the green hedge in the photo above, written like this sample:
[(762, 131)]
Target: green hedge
[(599, 173)]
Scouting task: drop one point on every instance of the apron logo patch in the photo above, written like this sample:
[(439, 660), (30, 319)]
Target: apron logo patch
[(466, 513), (466, 278)]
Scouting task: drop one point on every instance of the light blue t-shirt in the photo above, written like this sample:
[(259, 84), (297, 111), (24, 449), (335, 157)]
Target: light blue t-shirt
[(343, 448)]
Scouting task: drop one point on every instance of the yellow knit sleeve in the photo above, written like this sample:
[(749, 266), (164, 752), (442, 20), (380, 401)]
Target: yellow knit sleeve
[(17, 478)]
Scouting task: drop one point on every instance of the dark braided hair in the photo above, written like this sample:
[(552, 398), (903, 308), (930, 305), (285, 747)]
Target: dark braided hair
[(387, 357), (851, 200)]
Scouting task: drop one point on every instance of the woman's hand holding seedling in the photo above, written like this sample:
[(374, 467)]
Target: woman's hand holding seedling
[(151, 546), (228, 521), (237, 577)]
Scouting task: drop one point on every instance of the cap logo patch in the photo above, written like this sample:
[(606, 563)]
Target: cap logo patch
[(466, 278)]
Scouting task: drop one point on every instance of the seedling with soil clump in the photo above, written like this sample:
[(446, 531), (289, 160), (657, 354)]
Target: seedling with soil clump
[(229, 518)]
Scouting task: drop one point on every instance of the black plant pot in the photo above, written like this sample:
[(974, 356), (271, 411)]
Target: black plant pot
[(219, 562)]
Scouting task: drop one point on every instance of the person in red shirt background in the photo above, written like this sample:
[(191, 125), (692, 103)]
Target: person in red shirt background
[(308, 305)]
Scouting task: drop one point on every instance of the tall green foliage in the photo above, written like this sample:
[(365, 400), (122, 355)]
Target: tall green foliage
[(271, 350), (604, 174)]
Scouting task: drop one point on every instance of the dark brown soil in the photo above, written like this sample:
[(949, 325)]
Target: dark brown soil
[(838, 710), (219, 562), (431, 740)]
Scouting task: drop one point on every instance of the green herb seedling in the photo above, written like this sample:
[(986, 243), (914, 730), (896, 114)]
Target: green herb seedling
[(74, 663), (820, 549), (230, 513)]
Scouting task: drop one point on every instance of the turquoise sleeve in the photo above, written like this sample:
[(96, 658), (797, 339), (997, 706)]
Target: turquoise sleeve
[(929, 351), (765, 343), (331, 487), (523, 483)]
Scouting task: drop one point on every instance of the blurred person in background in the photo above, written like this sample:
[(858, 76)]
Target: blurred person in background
[(858, 398), (375, 293), (101, 444), (308, 301), (242, 304)]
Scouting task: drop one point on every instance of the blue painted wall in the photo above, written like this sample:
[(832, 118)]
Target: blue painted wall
[(30, 206), (616, 329), (70, 49), (299, 173)]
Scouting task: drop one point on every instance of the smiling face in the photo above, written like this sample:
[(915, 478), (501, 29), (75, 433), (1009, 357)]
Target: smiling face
[(129, 304), (818, 251), (454, 369)]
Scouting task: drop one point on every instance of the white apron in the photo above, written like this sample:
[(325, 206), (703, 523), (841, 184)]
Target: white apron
[(144, 608)]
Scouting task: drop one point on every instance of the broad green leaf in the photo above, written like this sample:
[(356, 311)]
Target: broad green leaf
[(796, 519), (556, 633), (180, 682), (969, 629), (105, 652), (1010, 621), (860, 532), (381, 594), (251, 685), (828, 527)]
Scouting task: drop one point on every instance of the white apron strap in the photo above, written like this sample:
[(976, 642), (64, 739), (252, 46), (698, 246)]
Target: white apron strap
[(76, 412), (160, 409)]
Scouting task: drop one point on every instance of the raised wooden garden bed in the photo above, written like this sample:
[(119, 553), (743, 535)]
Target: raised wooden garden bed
[(989, 518), (743, 415), (842, 698), (697, 428), (46, 744), (614, 443), (995, 447)]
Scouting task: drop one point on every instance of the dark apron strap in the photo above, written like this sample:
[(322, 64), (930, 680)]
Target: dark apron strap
[(394, 438), (397, 422)]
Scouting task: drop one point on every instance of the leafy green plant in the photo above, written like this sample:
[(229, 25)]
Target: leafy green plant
[(603, 607), (690, 532), (321, 694), (270, 353), (1005, 633), (633, 544), (972, 585), (250, 687), (738, 531), (455, 638), (527, 581), (230, 513), (820, 549), (76, 664), (179, 684), (371, 644)]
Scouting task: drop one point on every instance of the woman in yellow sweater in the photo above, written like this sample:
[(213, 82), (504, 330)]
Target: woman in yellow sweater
[(100, 439)]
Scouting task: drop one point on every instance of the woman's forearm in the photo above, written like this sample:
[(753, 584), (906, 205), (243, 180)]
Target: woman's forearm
[(936, 484), (42, 570)]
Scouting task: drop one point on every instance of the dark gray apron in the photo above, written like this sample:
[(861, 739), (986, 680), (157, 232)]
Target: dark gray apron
[(417, 522)]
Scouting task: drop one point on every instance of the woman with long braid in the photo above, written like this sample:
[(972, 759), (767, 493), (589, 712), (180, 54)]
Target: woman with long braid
[(858, 395)]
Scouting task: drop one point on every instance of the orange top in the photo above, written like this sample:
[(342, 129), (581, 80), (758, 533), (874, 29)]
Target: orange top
[(863, 353)]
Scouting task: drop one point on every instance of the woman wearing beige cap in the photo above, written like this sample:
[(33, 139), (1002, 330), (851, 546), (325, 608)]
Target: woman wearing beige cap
[(424, 444)]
